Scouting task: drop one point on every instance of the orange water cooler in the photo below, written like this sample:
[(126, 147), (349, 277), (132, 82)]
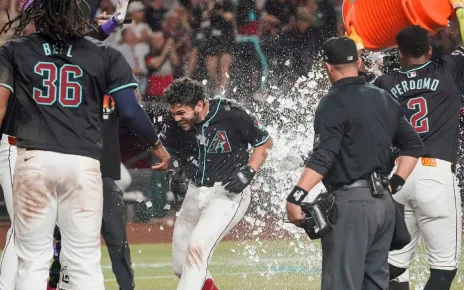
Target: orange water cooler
[(378, 21)]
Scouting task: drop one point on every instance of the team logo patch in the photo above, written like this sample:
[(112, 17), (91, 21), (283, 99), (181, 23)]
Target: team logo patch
[(220, 143), (108, 106), (258, 125), (317, 140)]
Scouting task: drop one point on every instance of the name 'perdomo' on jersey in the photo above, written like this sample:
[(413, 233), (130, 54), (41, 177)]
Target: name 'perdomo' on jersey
[(416, 84)]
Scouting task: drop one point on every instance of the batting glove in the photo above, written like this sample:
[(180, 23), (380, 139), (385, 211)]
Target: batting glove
[(179, 184), (238, 181), (457, 3), (356, 38)]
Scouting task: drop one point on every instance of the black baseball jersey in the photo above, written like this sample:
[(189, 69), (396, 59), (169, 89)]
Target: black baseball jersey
[(354, 127), (110, 164), (60, 90), (430, 98), (216, 147)]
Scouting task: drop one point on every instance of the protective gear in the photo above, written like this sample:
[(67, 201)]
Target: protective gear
[(238, 181), (319, 216), (457, 3), (356, 38), (179, 185), (396, 183), (395, 272), (440, 279), (65, 283)]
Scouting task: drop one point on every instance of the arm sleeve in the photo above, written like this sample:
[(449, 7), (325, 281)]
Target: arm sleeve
[(118, 72), (134, 116), (454, 63), (406, 138), (98, 34), (250, 129), (329, 129), (6, 67)]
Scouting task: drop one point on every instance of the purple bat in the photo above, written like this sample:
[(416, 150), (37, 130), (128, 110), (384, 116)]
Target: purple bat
[(27, 3)]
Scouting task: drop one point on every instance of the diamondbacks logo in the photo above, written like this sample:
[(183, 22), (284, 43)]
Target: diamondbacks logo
[(258, 125), (220, 143)]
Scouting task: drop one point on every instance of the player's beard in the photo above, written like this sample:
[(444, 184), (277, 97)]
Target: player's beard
[(190, 123)]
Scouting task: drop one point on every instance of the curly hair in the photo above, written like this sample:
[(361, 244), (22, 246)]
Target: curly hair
[(413, 41), (60, 20), (185, 92)]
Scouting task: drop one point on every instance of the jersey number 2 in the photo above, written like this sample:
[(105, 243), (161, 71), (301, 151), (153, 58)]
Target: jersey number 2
[(419, 120), (69, 91)]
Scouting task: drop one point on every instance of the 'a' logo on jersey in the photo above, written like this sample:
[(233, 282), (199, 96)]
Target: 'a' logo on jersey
[(220, 143)]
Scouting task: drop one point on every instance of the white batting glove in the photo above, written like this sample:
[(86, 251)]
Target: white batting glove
[(121, 11)]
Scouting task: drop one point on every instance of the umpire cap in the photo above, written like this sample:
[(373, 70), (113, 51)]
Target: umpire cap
[(340, 50)]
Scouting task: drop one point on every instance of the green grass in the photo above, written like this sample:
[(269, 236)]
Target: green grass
[(260, 265)]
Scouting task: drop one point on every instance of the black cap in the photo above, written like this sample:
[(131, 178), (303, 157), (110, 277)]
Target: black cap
[(340, 50)]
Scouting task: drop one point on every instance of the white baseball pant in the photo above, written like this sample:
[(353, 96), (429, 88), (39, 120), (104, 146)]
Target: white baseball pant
[(432, 210), (206, 216), (9, 260), (52, 187)]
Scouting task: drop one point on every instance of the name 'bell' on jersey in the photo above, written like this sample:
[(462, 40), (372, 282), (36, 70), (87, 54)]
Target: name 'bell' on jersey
[(430, 98), (60, 89)]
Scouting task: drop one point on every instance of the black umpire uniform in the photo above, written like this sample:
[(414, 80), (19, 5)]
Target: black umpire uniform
[(355, 125)]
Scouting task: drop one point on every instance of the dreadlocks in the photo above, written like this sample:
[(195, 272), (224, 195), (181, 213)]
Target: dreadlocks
[(60, 20)]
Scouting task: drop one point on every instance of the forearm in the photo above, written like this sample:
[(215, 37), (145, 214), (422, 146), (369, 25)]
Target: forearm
[(406, 165), (260, 154), (309, 179)]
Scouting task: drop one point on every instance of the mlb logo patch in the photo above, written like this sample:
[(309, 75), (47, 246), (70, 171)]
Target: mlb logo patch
[(412, 74), (350, 58)]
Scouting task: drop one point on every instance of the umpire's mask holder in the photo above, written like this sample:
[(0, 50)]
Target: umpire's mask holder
[(317, 223)]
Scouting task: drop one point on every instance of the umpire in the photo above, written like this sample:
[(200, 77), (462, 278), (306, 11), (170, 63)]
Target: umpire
[(355, 125)]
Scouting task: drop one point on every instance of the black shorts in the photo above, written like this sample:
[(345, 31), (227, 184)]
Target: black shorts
[(217, 45)]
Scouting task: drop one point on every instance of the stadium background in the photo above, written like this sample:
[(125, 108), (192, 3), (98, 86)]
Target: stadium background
[(290, 33)]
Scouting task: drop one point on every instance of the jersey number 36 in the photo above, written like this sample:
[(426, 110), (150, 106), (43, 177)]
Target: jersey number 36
[(419, 120), (68, 90)]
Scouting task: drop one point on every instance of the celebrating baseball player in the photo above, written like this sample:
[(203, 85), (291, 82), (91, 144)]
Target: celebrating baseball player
[(210, 138), (430, 97), (59, 78)]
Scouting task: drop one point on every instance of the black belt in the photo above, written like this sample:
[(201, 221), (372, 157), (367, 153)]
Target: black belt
[(361, 183)]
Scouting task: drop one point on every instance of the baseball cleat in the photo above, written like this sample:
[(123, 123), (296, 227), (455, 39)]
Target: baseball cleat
[(209, 285)]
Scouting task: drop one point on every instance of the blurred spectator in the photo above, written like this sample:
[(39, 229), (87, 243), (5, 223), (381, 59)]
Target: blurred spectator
[(251, 63), (106, 6), (134, 52), (172, 28), (155, 13), (161, 62), (220, 43), (198, 39), (279, 16), (136, 11)]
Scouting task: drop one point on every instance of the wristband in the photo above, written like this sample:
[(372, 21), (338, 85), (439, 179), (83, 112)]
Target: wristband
[(396, 183), (110, 26), (157, 144), (297, 195)]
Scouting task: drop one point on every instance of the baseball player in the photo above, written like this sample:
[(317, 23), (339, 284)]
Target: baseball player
[(428, 93), (211, 139), (59, 78), (8, 152)]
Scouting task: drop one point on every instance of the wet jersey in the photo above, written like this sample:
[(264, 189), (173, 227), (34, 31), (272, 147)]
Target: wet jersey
[(216, 147), (430, 98), (60, 90)]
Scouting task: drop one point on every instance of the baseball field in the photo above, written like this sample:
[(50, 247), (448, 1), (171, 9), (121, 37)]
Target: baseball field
[(262, 265)]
